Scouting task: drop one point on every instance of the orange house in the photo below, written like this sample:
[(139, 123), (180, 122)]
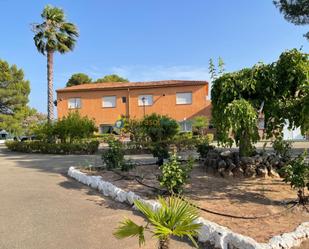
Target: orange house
[(107, 102)]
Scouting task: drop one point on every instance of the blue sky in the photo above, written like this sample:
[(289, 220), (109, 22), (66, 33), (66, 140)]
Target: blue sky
[(148, 39)]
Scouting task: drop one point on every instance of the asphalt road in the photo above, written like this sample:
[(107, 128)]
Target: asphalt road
[(41, 208)]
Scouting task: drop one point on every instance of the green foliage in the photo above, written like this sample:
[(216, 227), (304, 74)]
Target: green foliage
[(241, 118), (278, 90), (282, 148), (14, 89), (54, 34), (128, 228), (70, 128), (297, 174), (78, 147), (134, 128), (111, 78), (78, 79), (199, 124), (113, 157), (294, 11), (161, 130), (14, 92), (184, 141), (203, 147), (174, 174), (176, 217)]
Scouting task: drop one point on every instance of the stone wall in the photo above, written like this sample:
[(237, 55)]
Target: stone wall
[(229, 164)]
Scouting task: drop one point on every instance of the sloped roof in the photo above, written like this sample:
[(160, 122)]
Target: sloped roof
[(131, 85)]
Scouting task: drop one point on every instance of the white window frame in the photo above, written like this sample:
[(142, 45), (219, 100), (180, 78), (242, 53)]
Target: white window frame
[(74, 103), (148, 102), (180, 97), (114, 102)]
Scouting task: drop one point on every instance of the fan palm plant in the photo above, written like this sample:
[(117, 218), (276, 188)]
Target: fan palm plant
[(53, 35), (175, 218)]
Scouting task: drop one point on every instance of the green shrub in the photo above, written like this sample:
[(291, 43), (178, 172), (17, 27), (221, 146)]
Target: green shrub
[(113, 157), (161, 130), (68, 129), (282, 148), (90, 147), (135, 130), (184, 141), (297, 174), (203, 147), (174, 174), (199, 124)]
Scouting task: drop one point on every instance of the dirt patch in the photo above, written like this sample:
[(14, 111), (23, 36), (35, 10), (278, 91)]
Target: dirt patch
[(238, 197)]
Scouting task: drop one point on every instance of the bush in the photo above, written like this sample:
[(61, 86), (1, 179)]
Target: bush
[(199, 124), (113, 157), (68, 129), (161, 130), (282, 148), (203, 147), (184, 141), (174, 174), (53, 148), (135, 129), (297, 174)]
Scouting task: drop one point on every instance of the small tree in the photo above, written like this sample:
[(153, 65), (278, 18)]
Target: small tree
[(176, 217), (113, 157), (241, 119), (200, 123), (297, 174), (78, 79), (174, 174), (161, 130)]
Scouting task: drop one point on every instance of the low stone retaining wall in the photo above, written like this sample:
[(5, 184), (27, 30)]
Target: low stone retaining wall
[(221, 237), (229, 164)]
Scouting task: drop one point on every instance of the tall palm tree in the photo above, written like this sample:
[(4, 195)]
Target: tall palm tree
[(53, 35), (175, 217)]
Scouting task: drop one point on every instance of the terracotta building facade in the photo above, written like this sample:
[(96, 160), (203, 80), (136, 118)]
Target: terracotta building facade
[(108, 102)]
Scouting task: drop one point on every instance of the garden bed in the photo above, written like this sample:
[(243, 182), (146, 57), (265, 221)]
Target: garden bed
[(237, 197)]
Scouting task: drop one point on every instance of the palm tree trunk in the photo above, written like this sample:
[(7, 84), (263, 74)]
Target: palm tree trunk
[(50, 87), (164, 243)]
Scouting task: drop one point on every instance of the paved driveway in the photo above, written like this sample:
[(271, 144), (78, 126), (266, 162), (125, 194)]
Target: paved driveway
[(41, 208)]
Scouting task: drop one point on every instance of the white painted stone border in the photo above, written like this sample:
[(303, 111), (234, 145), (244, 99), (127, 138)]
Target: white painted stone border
[(217, 235)]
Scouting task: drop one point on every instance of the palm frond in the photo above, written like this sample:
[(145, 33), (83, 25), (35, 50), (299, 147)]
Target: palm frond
[(128, 228)]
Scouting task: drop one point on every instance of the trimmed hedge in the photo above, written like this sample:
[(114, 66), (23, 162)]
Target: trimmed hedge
[(53, 148)]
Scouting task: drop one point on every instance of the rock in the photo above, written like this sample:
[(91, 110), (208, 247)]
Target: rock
[(250, 171), (261, 171), (226, 154), (213, 154), (273, 173), (238, 172), (247, 160), (231, 167), (258, 159), (221, 164), (227, 174)]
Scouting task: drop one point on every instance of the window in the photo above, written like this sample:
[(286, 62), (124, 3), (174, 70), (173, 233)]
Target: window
[(185, 126), (145, 100), (74, 103), (109, 101), (183, 98), (124, 99)]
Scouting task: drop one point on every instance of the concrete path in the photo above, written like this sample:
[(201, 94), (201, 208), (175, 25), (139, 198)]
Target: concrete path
[(41, 208)]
